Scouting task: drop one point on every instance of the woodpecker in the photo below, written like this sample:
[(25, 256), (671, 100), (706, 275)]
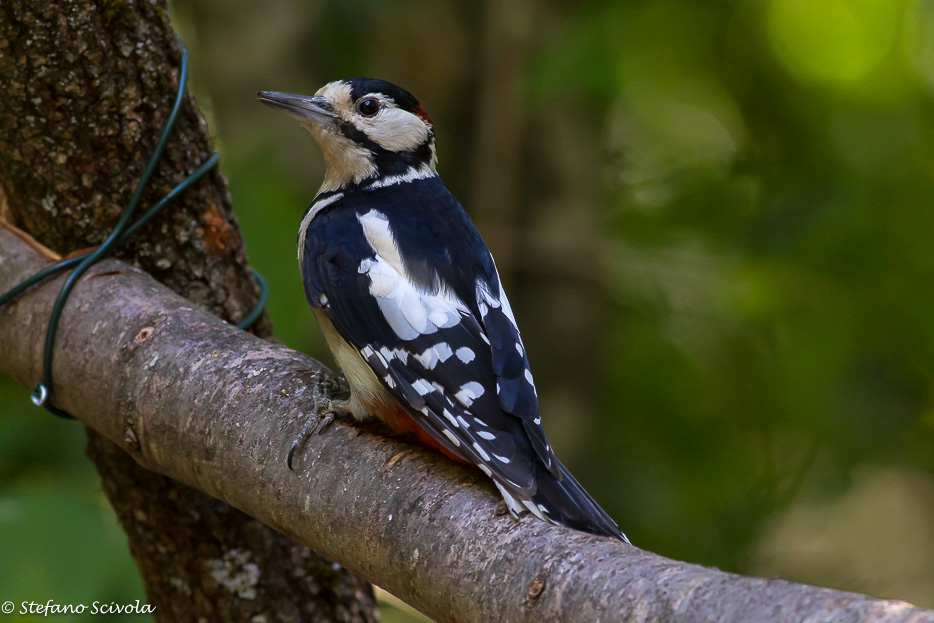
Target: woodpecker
[(411, 305)]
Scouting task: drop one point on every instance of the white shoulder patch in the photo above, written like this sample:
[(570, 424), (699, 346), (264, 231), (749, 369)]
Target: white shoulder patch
[(376, 229), (408, 309)]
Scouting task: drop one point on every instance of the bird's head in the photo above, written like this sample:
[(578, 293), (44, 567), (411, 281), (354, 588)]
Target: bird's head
[(369, 130)]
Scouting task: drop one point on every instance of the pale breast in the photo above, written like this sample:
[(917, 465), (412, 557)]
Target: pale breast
[(368, 396)]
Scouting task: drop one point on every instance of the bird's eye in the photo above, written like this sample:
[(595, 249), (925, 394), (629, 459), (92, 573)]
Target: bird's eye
[(368, 106)]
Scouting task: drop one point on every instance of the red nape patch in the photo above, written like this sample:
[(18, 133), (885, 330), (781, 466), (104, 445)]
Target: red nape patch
[(421, 113)]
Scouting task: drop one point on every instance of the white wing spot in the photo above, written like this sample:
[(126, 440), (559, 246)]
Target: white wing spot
[(537, 420), (528, 377), (469, 392), (486, 434), (486, 470), (429, 358), (422, 387), (463, 421), (450, 435), (519, 348), (502, 459), (322, 300), (465, 354), (450, 418), (485, 338), (481, 451), (389, 381), (444, 351)]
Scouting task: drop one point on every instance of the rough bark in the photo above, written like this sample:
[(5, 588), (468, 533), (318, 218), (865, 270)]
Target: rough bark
[(87, 88), (217, 408)]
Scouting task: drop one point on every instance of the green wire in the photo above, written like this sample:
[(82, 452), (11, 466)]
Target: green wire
[(147, 216), (121, 232), (260, 301)]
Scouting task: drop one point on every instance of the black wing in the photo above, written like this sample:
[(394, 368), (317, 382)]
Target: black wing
[(429, 348)]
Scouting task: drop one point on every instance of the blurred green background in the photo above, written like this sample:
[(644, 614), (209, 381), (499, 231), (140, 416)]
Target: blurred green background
[(715, 225)]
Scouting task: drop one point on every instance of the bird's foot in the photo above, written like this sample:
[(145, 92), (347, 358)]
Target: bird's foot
[(317, 425)]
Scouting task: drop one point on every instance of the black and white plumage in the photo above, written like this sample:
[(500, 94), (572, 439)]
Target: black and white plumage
[(409, 299)]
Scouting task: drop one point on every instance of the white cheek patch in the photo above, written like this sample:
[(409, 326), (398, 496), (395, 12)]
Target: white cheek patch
[(394, 129)]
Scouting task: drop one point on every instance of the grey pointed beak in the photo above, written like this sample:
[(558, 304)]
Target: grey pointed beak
[(302, 107)]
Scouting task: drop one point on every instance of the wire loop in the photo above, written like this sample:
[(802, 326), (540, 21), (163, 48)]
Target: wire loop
[(40, 394), (118, 236)]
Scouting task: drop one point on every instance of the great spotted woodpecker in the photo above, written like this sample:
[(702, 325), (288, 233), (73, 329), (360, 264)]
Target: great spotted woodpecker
[(411, 305)]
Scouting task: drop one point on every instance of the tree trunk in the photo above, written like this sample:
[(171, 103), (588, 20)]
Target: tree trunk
[(87, 89)]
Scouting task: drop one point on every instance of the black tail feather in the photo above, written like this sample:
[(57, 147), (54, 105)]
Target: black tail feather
[(565, 502)]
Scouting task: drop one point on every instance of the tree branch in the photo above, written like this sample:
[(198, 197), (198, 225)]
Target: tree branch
[(191, 397)]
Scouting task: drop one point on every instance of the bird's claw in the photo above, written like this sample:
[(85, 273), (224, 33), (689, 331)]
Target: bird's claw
[(296, 444), (315, 426)]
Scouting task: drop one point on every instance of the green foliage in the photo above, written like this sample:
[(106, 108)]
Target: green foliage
[(774, 247), (58, 537)]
